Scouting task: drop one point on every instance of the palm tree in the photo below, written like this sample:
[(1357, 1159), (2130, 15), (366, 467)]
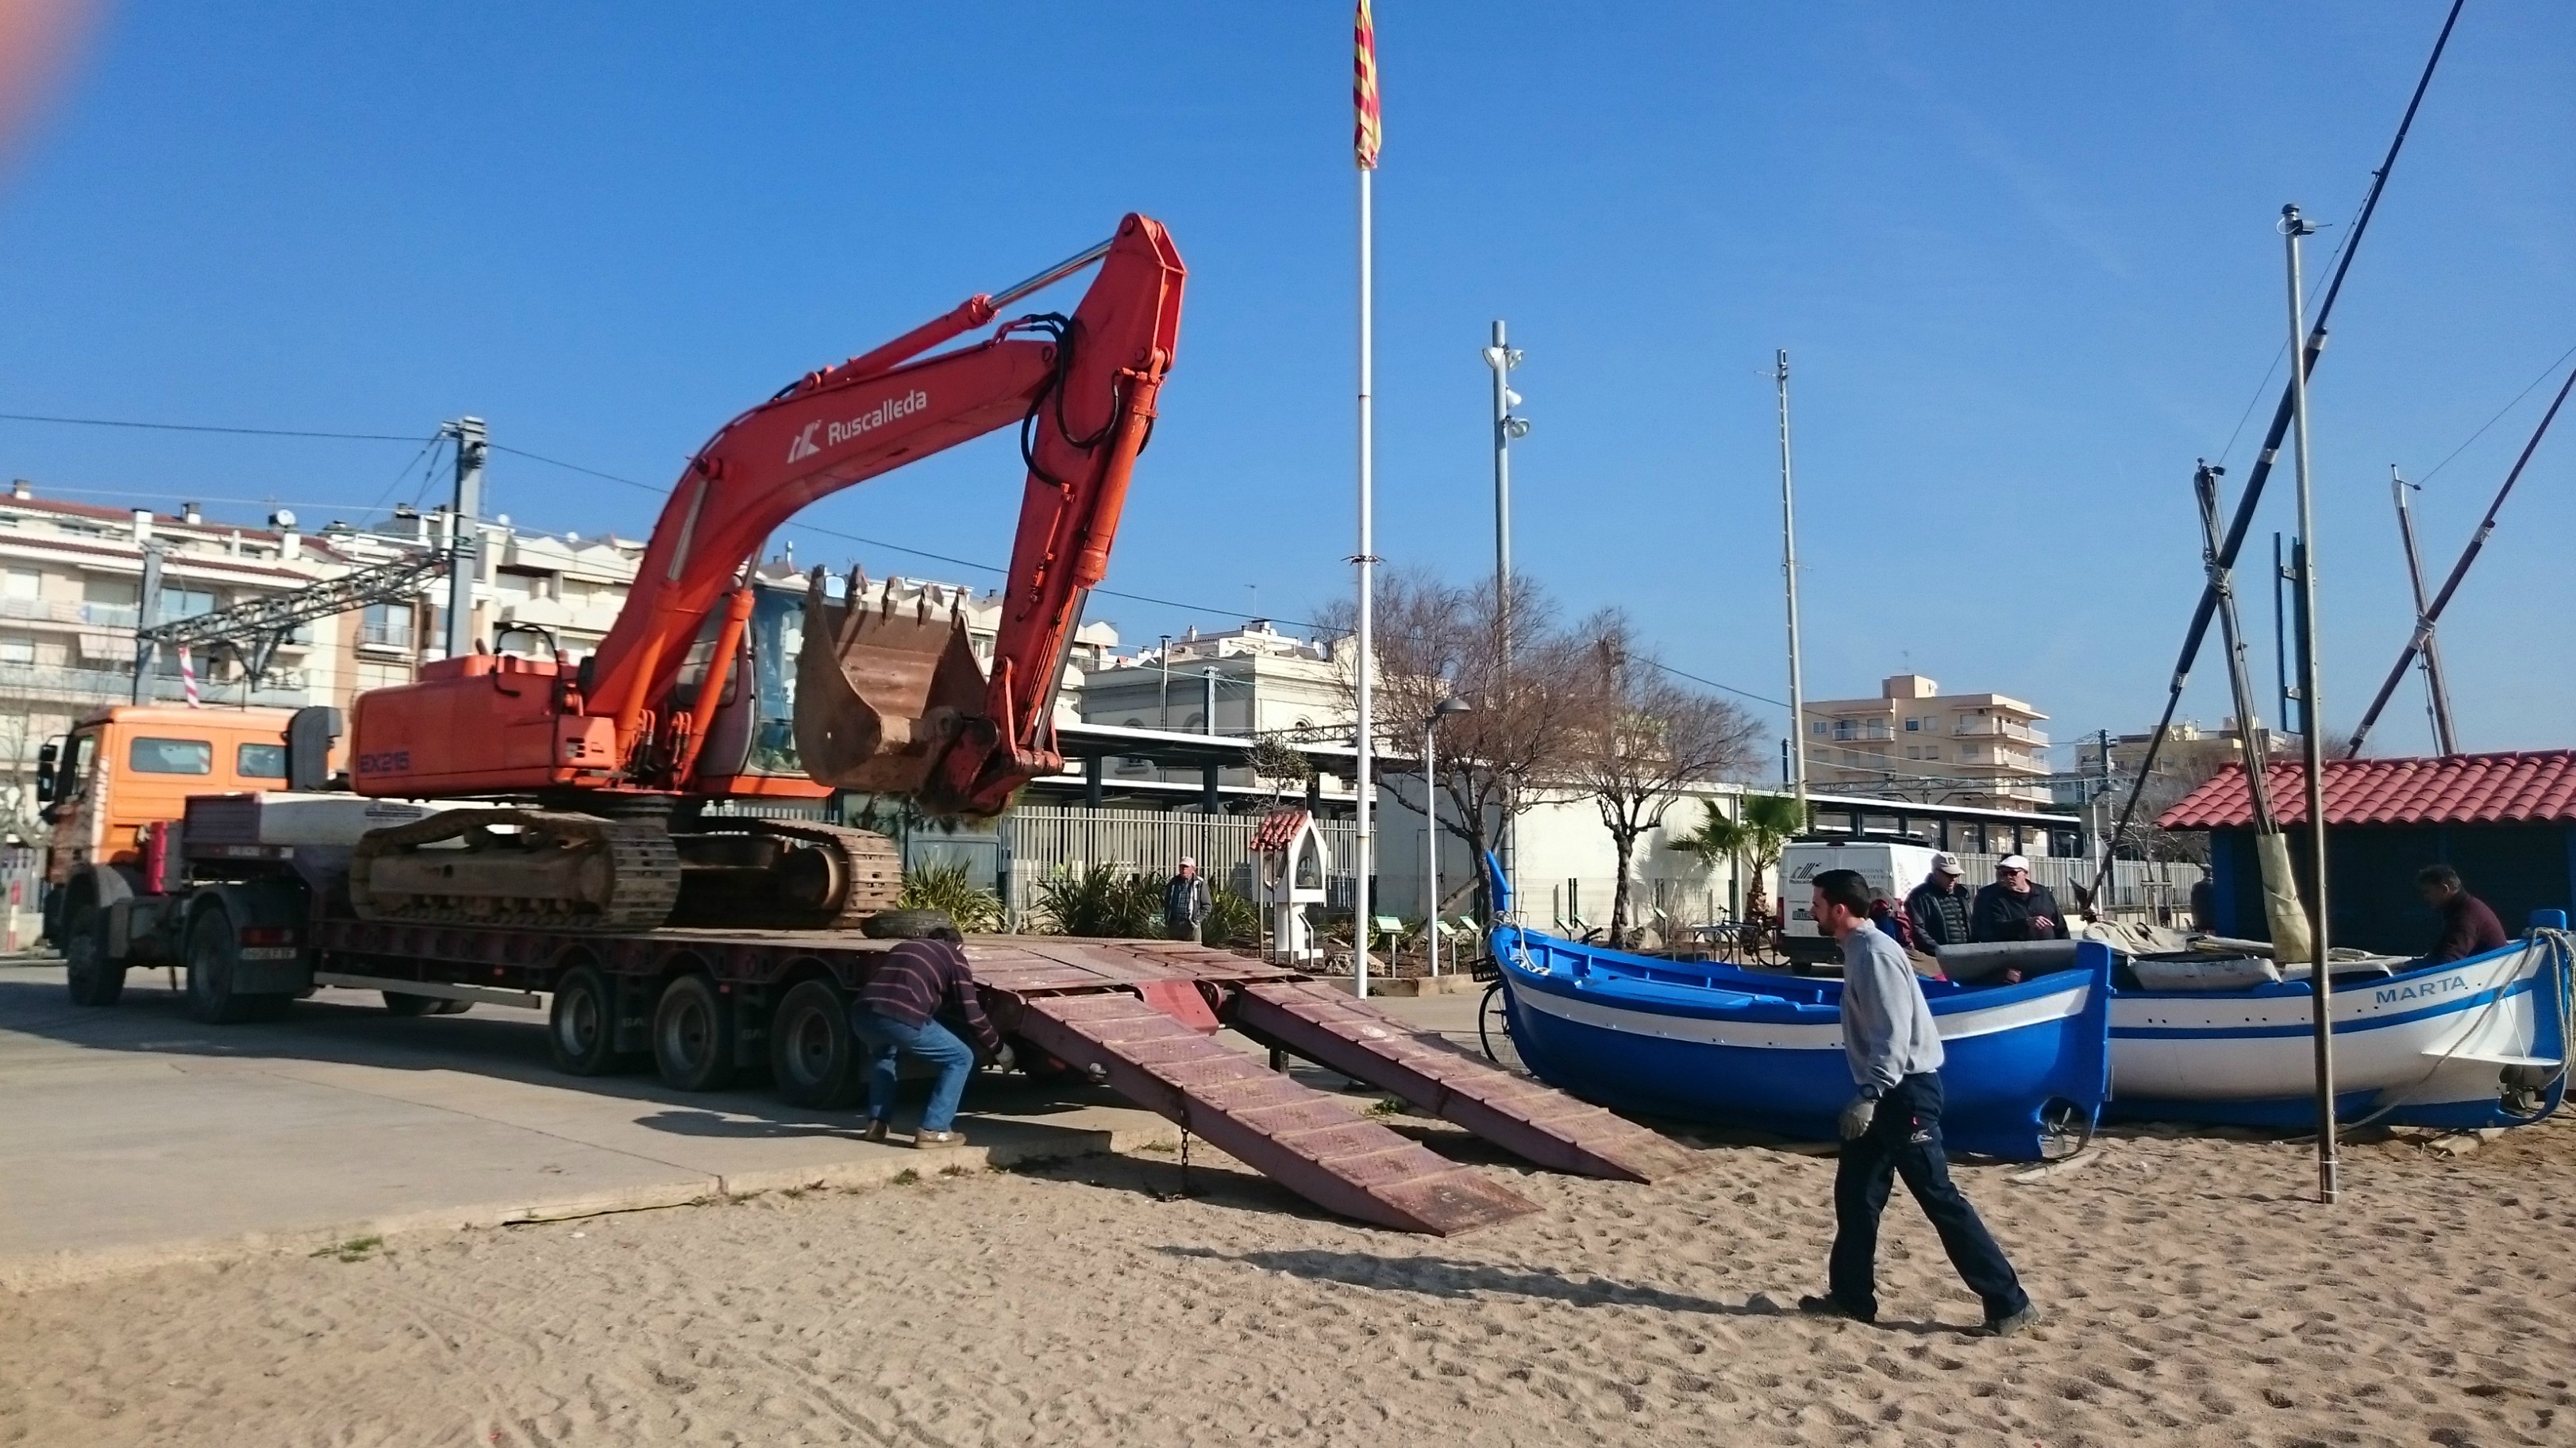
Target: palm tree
[(1763, 825)]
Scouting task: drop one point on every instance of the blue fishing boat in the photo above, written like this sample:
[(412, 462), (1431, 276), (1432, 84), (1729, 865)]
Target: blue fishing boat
[(2026, 1073)]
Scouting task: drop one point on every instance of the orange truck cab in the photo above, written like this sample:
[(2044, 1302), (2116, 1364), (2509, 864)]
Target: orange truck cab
[(122, 779)]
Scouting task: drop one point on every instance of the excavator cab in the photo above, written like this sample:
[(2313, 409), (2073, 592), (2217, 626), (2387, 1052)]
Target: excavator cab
[(883, 682)]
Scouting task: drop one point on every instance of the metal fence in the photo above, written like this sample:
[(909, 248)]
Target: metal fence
[(1041, 839)]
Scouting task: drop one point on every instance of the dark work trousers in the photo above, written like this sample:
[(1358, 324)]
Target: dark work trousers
[(1904, 1139)]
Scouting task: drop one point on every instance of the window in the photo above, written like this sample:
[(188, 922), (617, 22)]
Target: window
[(1913, 726), (24, 583), (260, 761), (178, 603), (1845, 728), (385, 626), (17, 651), (170, 756), (1817, 728)]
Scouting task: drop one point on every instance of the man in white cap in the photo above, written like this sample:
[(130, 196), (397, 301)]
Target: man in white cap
[(1938, 907), (1185, 902), (2016, 907)]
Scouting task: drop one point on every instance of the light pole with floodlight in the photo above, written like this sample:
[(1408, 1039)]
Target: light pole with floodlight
[(1431, 827)]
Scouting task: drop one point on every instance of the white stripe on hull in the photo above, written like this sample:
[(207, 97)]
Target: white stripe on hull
[(1785, 1036)]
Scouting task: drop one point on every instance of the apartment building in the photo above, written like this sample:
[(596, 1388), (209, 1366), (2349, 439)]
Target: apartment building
[(1259, 681), (1915, 742)]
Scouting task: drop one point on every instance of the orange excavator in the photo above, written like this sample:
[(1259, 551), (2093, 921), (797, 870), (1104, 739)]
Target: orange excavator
[(597, 776)]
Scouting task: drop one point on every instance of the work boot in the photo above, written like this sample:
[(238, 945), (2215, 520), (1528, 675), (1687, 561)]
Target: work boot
[(2012, 1322), (1830, 1306), (876, 1130), (928, 1140)]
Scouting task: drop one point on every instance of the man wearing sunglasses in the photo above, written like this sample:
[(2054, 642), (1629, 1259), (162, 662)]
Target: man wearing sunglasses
[(2016, 907)]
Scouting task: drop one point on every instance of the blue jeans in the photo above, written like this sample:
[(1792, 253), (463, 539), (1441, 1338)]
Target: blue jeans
[(1904, 1139), (887, 1038)]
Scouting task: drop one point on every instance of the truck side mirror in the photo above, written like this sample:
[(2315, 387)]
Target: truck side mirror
[(310, 733), (47, 759)]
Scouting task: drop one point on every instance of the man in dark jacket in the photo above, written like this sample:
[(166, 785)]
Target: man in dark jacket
[(1938, 908), (2468, 926), (897, 1015), (1185, 902), (2016, 907)]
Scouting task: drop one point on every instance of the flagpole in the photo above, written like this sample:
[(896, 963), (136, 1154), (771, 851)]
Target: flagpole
[(1367, 560), (1364, 98)]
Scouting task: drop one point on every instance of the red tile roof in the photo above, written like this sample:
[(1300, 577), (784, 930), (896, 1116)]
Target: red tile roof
[(2534, 788)]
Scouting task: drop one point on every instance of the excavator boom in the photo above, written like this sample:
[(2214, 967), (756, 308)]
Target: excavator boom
[(1082, 391)]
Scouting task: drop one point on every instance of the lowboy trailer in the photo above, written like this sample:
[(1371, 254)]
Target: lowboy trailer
[(258, 915)]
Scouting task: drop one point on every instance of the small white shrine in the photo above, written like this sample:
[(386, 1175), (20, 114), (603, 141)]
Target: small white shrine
[(1294, 866)]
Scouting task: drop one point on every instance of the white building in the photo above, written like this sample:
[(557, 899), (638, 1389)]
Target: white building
[(1243, 682)]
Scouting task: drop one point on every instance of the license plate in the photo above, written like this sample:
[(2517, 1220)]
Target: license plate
[(268, 952)]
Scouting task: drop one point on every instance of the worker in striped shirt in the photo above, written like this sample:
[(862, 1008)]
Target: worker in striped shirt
[(898, 1014)]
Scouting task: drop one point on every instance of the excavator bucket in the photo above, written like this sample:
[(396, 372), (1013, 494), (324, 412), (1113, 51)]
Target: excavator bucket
[(880, 689)]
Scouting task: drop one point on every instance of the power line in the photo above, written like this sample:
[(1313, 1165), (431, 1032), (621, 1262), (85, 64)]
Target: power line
[(202, 427)]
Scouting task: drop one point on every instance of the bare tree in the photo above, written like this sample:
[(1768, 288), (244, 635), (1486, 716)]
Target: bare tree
[(1518, 744), (1646, 737)]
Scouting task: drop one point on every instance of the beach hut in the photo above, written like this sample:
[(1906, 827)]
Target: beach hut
[(2506, 822)]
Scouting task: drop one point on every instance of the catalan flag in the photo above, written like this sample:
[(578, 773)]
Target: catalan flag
[(1364, 87)]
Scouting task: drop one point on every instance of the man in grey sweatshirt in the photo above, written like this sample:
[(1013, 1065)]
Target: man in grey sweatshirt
[(1892, 1125)]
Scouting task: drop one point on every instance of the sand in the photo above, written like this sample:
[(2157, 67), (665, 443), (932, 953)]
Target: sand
[(2193, 1296)]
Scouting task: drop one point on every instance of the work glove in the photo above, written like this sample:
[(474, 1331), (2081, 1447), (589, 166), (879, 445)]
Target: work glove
[(1856, 1118), (1005, 1059)]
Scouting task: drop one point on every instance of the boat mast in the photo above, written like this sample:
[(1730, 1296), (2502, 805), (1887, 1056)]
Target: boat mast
[(2437, 695), (2312, 743)]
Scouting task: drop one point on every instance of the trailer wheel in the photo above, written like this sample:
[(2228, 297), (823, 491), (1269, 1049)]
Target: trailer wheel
[(581, 1030), (693, 1035), (93, 978), (403, 1003), (211, 958), (813, 1058)]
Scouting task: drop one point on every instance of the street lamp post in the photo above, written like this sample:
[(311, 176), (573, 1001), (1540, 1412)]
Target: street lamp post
[(1431, 827), (1508, 427)]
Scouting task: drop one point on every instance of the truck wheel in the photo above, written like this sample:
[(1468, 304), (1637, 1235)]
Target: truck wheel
[(211, 997), (693, 1035), (403, 1003), (581, 1031), (905, 924), (813, 1058), (93, 978)]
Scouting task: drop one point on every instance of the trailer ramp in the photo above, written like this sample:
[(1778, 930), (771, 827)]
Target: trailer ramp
[(1536, 1122), (1300, 1138)]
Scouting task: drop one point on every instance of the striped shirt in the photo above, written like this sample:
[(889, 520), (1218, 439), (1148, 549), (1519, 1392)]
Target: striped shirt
[(917, 979)]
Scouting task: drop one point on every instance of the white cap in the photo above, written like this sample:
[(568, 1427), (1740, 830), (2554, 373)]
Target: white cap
[(1945, 863), (1188, 864), (2014, 862)]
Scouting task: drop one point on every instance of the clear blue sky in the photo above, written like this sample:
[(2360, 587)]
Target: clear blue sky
[(2022, 255)]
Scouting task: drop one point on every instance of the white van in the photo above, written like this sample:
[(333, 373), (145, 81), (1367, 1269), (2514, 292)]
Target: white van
[(1893, 870)]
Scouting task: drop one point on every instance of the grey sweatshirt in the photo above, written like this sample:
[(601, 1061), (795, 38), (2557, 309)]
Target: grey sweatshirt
[(1888, 1032)]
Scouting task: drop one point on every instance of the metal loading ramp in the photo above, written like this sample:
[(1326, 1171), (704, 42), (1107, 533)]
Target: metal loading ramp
[(1535, 1122), (1302, 1139)]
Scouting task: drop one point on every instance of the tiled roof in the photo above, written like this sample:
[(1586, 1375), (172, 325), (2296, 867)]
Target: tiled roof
[(2534, 788)]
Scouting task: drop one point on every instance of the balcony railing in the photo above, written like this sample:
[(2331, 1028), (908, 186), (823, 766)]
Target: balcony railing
[(111, 686), (385, 635), (1998, 728)]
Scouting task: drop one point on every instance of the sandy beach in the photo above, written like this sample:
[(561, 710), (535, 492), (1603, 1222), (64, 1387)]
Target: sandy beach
[(2193, 1297)]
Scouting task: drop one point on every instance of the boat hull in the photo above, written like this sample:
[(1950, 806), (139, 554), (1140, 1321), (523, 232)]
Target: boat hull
[(2430, 1047), (1671, 1039)]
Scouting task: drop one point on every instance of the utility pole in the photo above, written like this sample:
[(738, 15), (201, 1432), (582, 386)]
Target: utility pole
[(463, 534), (2437, 696), (147, 612), (1789, 573), (1502, 357), (2281, 576), (1167, 683), (1211, 700), (2312, 703)]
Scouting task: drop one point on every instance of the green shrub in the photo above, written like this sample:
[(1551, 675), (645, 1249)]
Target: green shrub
[(944, 886), (1232, 919), (1100, 902)]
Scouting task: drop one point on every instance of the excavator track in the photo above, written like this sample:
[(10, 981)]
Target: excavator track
[(523, 867), (864, 874)]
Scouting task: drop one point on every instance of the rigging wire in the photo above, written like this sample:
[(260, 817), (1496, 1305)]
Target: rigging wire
[(2545, 374)]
